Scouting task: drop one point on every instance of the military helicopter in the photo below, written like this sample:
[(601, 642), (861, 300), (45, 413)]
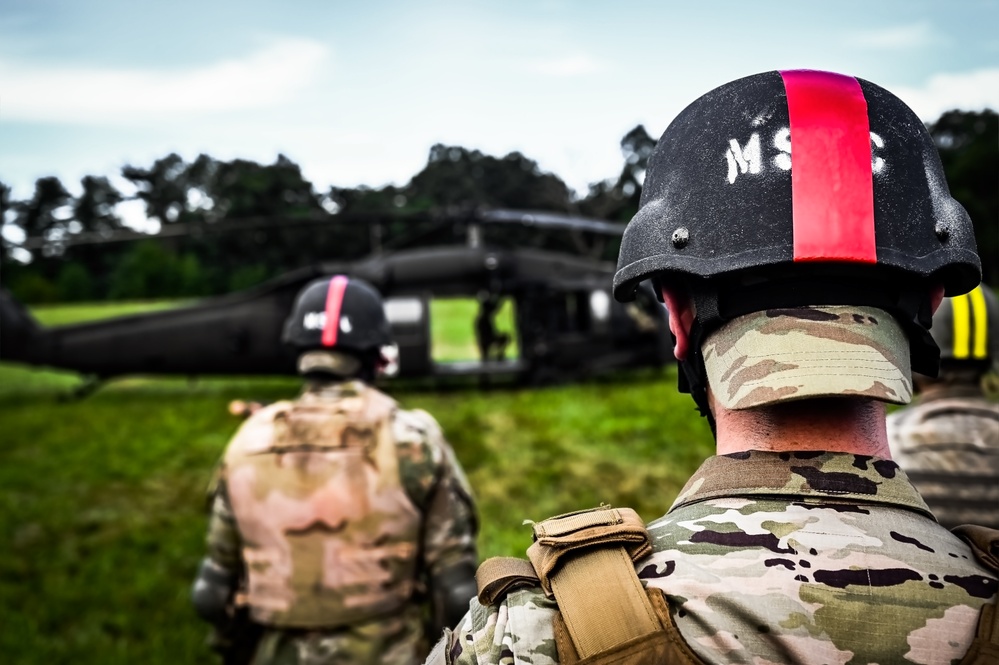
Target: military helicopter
[(566, 323)]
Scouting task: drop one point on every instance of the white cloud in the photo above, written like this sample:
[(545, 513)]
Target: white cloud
[(85, 95), (897, 37), (133, 214), (571, 65), (968, 91)]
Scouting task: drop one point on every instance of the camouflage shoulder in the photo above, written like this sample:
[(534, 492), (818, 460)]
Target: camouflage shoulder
[(516, 629), (256, 432), (216, 484), (416, 426), (419, 437), (425, 452), (267, 414)]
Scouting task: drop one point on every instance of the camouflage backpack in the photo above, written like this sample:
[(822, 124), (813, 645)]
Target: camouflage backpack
[(329, 533)]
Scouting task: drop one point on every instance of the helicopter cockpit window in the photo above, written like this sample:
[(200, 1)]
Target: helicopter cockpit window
[(404, 310)]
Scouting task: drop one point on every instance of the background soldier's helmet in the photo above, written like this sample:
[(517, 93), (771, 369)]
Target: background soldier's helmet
[(966, 328), (338, 313), (864, 217)]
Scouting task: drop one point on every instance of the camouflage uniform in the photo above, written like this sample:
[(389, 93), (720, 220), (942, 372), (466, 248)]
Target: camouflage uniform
[(777, 558), (373, 517), (948, 445)]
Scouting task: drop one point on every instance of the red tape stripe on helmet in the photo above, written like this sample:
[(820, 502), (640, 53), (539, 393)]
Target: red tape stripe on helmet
[(832, 187), (334, 301)]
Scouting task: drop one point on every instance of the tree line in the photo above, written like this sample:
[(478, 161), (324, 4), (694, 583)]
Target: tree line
[(227, 225)]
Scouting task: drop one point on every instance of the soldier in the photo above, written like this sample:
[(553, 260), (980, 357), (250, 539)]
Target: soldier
[(797, 300), (336, 514), (492, 343), (948, 443)]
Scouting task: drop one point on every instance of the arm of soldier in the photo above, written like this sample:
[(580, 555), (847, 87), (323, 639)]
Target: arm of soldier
[(460, 646), (450, 520), (220, 571), (517, 628)]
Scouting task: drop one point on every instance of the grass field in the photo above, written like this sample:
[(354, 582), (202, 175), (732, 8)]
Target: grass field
[(102, 499)]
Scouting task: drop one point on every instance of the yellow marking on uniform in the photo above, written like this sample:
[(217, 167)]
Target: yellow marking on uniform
[(962, 326), (981, 321)]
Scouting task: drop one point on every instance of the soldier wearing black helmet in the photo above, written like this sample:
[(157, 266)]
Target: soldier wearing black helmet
[(800, 299), (338, 514), (948, 442)]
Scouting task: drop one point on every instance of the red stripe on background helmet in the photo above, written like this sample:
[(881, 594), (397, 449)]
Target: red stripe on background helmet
[(832, 185), (334, 302)]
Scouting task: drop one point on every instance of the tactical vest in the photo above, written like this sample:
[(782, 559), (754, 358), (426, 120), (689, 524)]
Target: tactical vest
[(949, 449), (585, 561), (330, 536)]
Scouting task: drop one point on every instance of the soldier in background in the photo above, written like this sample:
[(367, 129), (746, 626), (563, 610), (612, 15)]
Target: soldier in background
[(492, 343), (799, 300), (948, 442), (341, 525)]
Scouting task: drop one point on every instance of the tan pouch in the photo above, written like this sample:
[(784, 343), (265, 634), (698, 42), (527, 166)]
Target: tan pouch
[(984, 543), (584, 560)]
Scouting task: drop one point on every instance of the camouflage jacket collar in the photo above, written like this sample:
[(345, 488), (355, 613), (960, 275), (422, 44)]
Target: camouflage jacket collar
[(803, 475)]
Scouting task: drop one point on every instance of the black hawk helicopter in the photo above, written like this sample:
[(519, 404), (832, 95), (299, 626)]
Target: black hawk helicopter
[(566, 322)]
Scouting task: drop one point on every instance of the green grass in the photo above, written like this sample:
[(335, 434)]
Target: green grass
[(57, 315), (102, 499)]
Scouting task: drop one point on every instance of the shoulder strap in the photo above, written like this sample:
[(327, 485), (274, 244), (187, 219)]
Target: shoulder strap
[(984, 544), (584, 560), (498, 576), (598, 615)]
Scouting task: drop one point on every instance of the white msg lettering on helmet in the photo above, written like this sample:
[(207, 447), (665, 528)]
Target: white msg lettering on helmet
[(748, 158), (782, 141), (745, 159), (877, 163), (345, 325), (314, 320)]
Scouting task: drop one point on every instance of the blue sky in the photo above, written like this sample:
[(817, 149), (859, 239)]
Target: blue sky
[(357, 92)]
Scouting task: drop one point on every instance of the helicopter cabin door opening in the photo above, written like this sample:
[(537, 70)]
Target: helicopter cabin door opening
[(474, 334)]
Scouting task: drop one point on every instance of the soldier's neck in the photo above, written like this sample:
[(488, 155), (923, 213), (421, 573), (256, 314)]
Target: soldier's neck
[(839, 424)]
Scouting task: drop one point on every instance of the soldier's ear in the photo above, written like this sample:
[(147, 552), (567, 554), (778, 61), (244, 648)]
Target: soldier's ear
[(936, 297), (681, 318)]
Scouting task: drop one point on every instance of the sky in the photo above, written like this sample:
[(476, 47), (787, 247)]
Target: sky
[(357, 92)]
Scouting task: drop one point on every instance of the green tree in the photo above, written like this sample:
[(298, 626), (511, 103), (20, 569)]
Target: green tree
[(6, 210), (147, 270), (94, 209), (29, 286), (164, 187), (246, 276), (456, 177), (39, 215), (366, 200), (191, 277), (968, 142), (618, 200), (74, 284), (242, 188), (4, 202)]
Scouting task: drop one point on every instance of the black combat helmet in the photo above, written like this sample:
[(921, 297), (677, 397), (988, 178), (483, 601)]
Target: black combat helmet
[(338, 313), (864, 217)]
